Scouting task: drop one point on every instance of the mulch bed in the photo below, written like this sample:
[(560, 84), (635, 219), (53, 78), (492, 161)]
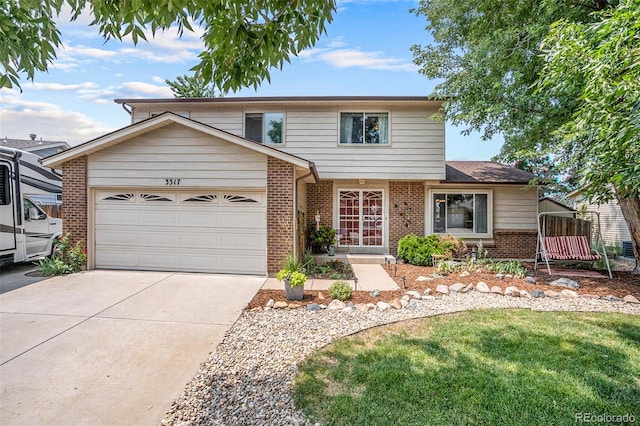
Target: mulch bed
[(622, 284)]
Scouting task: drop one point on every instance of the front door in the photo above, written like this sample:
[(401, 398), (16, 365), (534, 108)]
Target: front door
[(361, 220)]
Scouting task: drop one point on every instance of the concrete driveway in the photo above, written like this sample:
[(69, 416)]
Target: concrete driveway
[(110, 347)]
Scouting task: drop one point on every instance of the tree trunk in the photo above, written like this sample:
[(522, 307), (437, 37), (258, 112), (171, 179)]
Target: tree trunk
[(631, 211)]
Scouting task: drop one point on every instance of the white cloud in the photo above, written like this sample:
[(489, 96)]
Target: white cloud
[(58, 87), (350, 58), (137, 89), (49, 121), (88, 52)]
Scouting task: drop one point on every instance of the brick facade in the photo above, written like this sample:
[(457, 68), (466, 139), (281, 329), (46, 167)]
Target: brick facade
[(320, 199), (74, 199), (280, 220), (512, 244), (405, 218)]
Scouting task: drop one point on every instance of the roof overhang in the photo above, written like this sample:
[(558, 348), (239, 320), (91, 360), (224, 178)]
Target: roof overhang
[(291, 101), (160, 121)]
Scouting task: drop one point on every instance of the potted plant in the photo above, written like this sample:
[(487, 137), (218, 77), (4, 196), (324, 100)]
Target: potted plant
[(293, 279), (323, 240)]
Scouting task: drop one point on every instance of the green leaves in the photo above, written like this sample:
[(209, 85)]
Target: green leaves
[(243, 39), (194, 86), (29, 38), (598, 63)]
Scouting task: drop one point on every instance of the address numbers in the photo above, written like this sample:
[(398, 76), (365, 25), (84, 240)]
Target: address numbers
[(171, 182)]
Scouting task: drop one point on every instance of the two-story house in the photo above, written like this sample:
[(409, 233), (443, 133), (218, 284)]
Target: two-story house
[(231, 185)]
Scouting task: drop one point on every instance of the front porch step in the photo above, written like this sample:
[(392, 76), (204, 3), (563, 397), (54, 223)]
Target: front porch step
[(357, 259)]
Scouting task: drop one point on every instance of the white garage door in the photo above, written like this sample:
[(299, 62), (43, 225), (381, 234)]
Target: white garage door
[(203, 231)]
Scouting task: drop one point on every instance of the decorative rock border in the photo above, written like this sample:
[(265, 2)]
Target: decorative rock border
[(444, 290)]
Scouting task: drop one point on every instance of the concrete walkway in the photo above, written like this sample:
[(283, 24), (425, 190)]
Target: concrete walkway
[(110, 347), (370, 277)]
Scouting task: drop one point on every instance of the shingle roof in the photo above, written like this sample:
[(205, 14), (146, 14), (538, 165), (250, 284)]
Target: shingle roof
[(484, 172)]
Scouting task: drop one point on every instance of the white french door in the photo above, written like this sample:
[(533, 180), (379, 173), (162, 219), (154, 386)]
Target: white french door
[(361, 218)]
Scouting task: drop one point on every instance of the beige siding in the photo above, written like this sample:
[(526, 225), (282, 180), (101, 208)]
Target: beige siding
[(417, 144), (551, 207), (614, 227), (416, 151), (514, 207), (175, 152)]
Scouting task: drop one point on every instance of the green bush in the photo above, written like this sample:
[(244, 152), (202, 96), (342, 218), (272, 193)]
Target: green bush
[(340, 290), (321, 238), (51, 266), (66, 259), (417, 250), (513, 267)]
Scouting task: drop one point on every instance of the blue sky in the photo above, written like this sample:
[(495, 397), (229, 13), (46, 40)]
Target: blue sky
[(365, 52)]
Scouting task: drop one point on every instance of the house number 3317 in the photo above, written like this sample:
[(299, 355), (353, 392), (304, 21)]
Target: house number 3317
[(172, 182)]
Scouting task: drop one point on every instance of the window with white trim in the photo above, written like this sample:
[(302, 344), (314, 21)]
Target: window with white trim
[(264, 127), (461, 213), (364, 128)]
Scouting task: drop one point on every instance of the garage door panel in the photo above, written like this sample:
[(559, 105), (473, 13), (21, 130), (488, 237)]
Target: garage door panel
[(238, 263), (124, 238), (156, 230)]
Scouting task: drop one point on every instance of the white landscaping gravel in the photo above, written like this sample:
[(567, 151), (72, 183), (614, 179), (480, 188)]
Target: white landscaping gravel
[(249, 378)]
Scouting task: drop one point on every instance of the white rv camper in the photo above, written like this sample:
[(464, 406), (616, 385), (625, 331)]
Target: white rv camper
[(26, 231)]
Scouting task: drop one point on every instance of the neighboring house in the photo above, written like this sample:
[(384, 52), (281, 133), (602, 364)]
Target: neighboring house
[(613, 226), (549, 205), (231, 185), (39, 147)]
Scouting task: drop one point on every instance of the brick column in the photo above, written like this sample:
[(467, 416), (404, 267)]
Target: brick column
[(413, 194), (280, 219), (320, 199), (74, 199)]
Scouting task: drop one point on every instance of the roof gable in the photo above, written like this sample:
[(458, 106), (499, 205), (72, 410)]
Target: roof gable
[(162, 120)]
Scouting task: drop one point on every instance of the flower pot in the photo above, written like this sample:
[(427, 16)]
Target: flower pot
[(331, 250), (293, 293)]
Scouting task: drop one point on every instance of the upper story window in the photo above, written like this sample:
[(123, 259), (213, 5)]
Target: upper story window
[(364, 128), (264, 127)]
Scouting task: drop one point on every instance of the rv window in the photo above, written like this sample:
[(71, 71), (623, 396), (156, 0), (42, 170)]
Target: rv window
[(5, 194)]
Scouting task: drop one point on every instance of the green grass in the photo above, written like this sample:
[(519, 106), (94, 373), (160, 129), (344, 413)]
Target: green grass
[(491, 367)]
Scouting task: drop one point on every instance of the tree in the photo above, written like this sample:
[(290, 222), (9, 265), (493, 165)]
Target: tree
[(243, 39), (489, 58), (487, 55), (553, 181), (599, 64), (194, 86)]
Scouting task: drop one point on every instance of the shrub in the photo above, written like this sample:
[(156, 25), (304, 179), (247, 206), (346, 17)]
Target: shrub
[(419, 250), (513, 267), (321, 238), (51, 266), (340, 290), (294, 278), (66, 259)]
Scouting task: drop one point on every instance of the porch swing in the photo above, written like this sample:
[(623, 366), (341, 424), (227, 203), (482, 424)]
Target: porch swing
[(574, 246)]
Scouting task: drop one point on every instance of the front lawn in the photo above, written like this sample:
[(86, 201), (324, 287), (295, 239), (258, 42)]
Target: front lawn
[(492, 367)]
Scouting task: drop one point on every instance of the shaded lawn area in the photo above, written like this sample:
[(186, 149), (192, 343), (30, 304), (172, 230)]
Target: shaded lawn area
[(492, 367)]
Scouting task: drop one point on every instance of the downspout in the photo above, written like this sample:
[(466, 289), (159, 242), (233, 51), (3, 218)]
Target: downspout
[(124, 107), (295, 210)]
